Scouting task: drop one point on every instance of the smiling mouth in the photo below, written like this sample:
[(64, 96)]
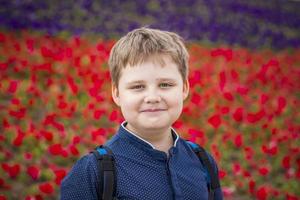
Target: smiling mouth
[(153, 110)]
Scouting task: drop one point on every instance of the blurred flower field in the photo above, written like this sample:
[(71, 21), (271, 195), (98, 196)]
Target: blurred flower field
[(55, 106), (253, 24)]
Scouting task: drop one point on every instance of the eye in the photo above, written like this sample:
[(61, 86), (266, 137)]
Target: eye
[(165, 85), (137, 87)]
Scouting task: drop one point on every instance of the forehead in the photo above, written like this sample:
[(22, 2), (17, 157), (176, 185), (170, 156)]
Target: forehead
[(160, 59), (159, 67)]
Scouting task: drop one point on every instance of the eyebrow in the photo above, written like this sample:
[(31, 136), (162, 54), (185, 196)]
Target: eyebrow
[(166, 79), (159, 79), (135, 82)]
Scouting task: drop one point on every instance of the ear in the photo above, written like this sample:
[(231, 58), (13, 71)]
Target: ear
[(186, 89), (115, 94)]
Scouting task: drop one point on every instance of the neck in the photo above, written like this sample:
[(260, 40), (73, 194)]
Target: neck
[(161, 139)]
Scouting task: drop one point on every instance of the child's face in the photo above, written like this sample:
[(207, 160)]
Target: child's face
[(151, 95)]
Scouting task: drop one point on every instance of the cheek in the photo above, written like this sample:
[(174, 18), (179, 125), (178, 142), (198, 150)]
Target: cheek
[(175, 98), (128, 109), (177, 101), (175, 107), (128, 101)]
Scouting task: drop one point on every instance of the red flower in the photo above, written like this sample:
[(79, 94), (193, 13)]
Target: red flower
[(249, 153), (178, 124), (227, 53), (55, 149), (286, 162), (94, 91), (195, 78), (72, 85), (12, 88), (47, 135), (196, 98), (113, 115), (2, 182), (215, 121), (3, 66), (17, 47), (252, 186), (69, 52), (58, 126), (30, 44), (264, 98), (226, 137), (254, 117), (15, 101), (46, 52), (5, 123), (222, 80), (13, 170), (271, 150), (50, 120), (195, 133), (27, 156), (74, 151), (225, 110), (62, 105), (234, 74), (222, 174), (98, 113), (262, 193), (98, 132), (238, 114), (19, 139), (76, 140), (242, 90), (60, 174), (246, 174), (263, 171), (2, 37), (236, 168), (281, 103), (64, 153), (2, 138), (238, 140), (228, 96), (33, 171), (46, 188), (18, 114), (291, 197), (43, 67), (2, 197)]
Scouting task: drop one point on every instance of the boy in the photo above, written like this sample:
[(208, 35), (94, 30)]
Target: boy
[(149, 71)]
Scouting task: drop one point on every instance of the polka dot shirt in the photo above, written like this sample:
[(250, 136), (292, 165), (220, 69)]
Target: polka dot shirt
[(143, 172)]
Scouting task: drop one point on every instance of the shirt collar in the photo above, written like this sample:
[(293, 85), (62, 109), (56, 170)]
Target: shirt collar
[(124, 131)]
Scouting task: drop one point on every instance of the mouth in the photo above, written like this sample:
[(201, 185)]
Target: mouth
[(153, 110)]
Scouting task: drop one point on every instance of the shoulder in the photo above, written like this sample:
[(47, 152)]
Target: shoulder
[(113, 141), (194, 148), (86, 164), (213, 172), (82, 181)]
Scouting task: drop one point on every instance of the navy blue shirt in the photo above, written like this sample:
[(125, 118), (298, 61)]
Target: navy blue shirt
[(142, 172)]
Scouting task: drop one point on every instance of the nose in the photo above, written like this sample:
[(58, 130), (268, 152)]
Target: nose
[(152, 97)]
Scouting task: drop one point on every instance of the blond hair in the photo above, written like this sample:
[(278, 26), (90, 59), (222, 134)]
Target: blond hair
[(140, 44)]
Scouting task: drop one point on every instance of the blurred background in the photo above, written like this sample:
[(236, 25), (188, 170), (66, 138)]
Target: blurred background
[(55, 102)]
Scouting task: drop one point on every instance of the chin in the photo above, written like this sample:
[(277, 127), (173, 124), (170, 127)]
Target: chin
[(156, 126)]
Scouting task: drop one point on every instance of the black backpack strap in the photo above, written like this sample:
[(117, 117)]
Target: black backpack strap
[(204, 159), (107, 172)]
